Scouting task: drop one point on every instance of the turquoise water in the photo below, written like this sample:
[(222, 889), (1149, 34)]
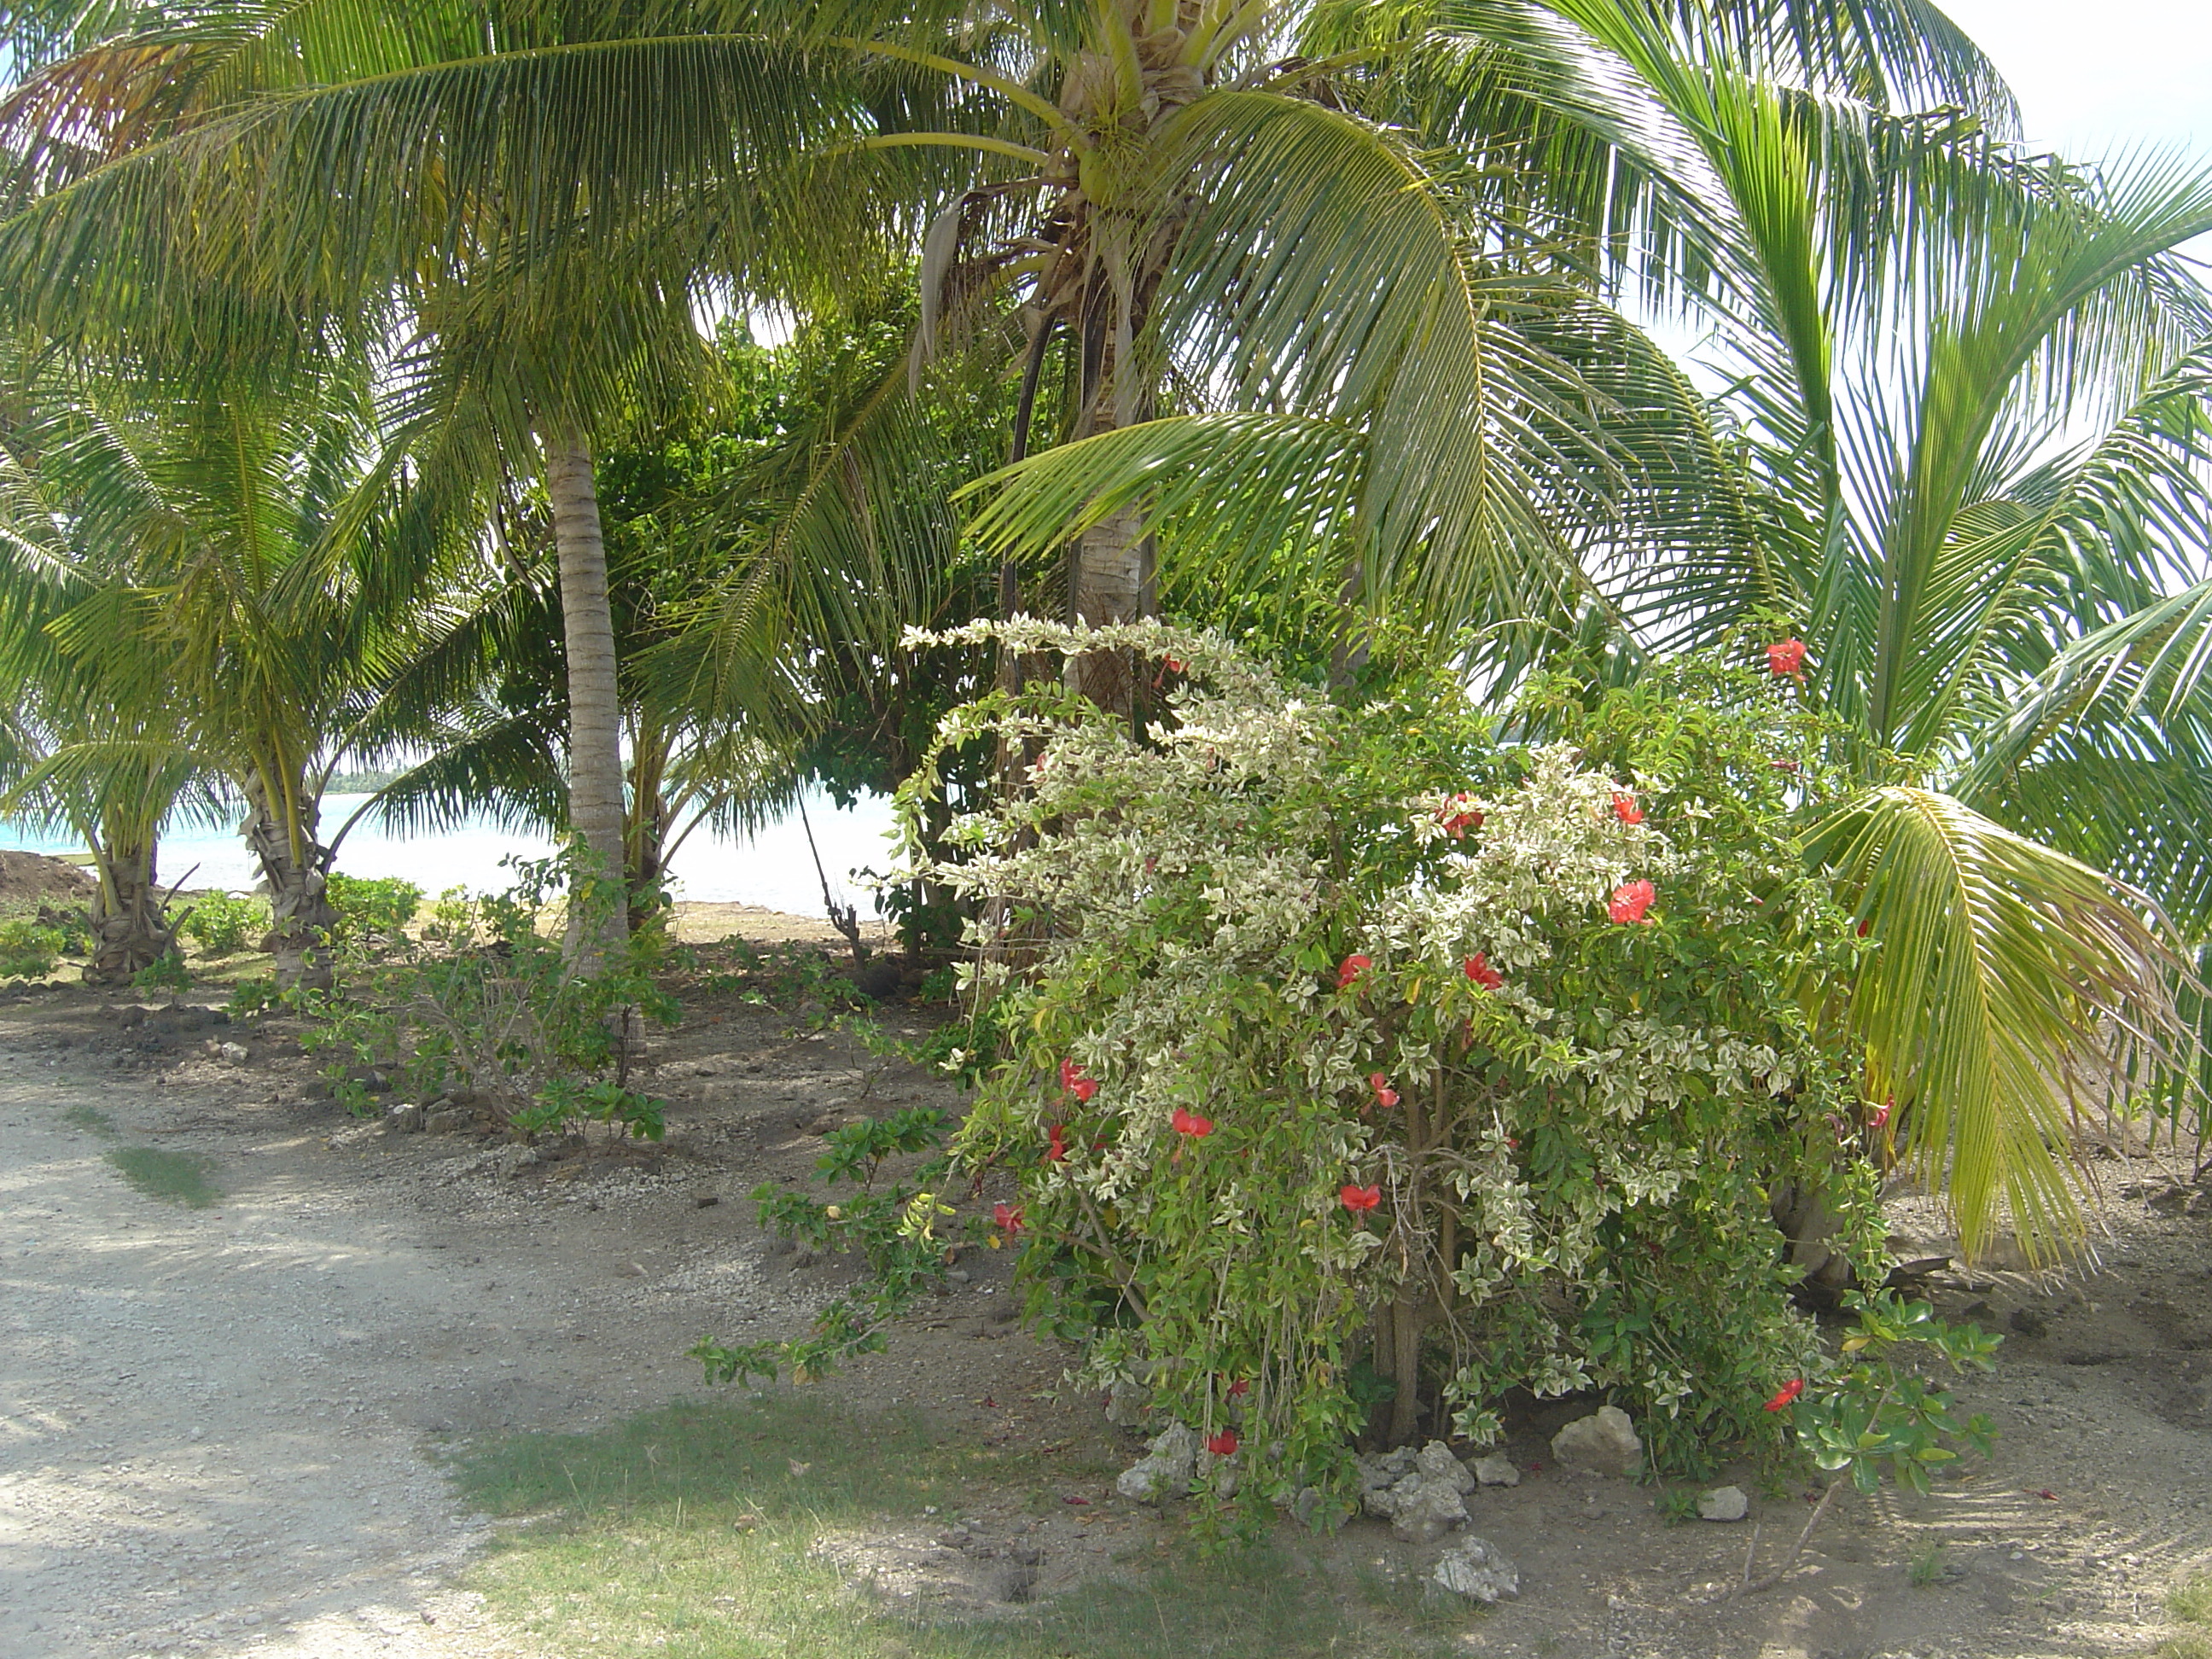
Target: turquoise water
[(771, 868)]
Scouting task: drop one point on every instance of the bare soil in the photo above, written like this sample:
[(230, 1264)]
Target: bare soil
[(222, 1431), (35, 876)]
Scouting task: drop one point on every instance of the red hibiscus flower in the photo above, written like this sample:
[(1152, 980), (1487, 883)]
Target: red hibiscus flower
[(1072, 1080), (1008, 1217), (1385, 1096), (1239, 1389), (1351, 969), (1223, 1445), (1458, 816), (1788, 1392), (1189, 1124), (1480, 970), (1359, 1200), (1785, 656), (1174, 664), (1058, 1151), (1630, 902), (1625, 809)]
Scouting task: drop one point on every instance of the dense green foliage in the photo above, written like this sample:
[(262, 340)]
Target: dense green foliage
[(222, 925), (1511, 1019), (27, 948)]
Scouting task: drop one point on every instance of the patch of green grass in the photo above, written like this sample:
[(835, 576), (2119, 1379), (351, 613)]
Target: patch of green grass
[(177, 1177), (2192, 1602), (93, 1120), (1927, 1566), (686, 1534)]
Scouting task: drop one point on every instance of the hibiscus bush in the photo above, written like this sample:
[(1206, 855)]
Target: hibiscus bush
[(1363, 1062)]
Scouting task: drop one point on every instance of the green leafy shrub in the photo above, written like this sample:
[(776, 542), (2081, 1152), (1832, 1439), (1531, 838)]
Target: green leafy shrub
[(253, 996), (373, 909), (28, 951), (223, 926), (483, 999), (1360, 1041), (75, 928), (1863, 1415), (167, 972), (894, 1230)]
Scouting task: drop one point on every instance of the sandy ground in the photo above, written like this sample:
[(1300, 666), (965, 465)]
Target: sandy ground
[(220, 1430)]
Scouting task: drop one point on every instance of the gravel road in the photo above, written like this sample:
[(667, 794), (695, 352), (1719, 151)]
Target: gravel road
[(218, 1426)]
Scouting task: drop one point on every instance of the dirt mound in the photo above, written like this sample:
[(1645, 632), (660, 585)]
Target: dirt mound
[(34, 876)]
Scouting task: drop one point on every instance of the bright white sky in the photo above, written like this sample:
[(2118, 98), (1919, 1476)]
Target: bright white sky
[(2105, 76)]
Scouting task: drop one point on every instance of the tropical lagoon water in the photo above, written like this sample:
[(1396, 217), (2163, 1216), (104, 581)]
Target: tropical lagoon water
[(772, 868)]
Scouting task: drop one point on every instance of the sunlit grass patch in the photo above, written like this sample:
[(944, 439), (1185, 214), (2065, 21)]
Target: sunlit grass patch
[(686, 1532), (93, 1120), (174, 1177), (2191, 1604)]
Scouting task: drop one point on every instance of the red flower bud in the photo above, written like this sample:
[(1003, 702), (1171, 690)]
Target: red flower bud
[(1058, 1151), (1351, 969), (1385, 1096)]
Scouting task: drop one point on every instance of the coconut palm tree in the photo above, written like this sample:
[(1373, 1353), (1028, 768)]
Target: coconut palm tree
[(1972, 424), (250, 565), (114, 797), (57, 705)]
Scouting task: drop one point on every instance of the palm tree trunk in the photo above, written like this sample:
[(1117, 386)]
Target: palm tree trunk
[(130, 931), (1110, 568), (295, 866), (595, 766), (644, 826), (1111, 579)]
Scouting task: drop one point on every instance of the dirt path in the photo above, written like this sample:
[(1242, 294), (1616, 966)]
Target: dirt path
[(197, 1435), (220, 1428), (217, 1425)]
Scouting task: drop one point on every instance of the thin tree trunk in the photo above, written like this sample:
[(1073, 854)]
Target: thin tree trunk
[(300, 913), (1112, 578), (645, 828), (130, 930), (595, 766)]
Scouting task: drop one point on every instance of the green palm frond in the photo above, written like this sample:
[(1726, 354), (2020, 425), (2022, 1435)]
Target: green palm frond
[(2005, 979)]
